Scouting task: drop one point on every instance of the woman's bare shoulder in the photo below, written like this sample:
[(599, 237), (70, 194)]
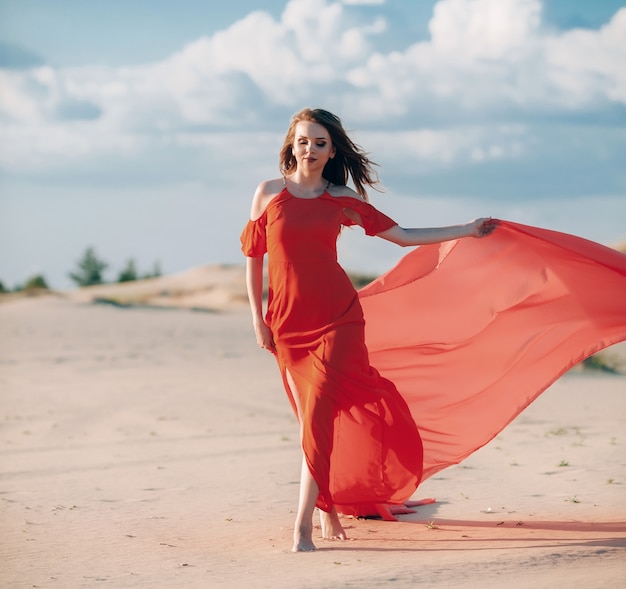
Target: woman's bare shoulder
[(271, 187), (336, 190), (263, 195)]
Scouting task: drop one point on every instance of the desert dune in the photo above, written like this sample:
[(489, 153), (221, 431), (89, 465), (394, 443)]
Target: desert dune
[(145, 443)]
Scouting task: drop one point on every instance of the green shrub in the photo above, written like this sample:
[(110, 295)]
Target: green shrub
[(360, 280), (599, 363), (129, 273), (36, 282), (90, 269), (156, 271)]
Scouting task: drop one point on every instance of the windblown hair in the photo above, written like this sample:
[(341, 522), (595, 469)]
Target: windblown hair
[(350, 159)]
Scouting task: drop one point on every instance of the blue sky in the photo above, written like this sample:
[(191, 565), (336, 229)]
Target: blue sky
[(142, 128)]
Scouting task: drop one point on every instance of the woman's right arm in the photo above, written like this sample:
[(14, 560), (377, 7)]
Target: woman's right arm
[(254, 275), (254, 283)]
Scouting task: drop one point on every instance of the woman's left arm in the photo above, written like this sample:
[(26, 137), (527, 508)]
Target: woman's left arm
[(422, 236)]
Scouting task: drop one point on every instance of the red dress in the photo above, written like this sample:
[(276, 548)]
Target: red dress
[(461, 337)]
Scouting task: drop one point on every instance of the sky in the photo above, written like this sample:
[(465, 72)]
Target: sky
[(142, 128)]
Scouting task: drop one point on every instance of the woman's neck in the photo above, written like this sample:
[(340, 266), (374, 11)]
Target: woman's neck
[(308, 185)]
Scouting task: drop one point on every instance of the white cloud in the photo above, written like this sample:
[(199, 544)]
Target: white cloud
[(363, 2), (471, 30), (227, 80), (588, 66), (425, 149), (486, 54), (15, 100), (484, 57)]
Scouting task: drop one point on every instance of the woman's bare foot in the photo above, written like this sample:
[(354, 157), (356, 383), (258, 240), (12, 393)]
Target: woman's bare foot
[(331, 526), (303, 539)]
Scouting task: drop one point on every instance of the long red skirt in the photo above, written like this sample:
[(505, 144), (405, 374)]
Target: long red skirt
[(472, 331)]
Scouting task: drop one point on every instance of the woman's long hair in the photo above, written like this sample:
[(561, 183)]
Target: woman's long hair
[(349, 158)]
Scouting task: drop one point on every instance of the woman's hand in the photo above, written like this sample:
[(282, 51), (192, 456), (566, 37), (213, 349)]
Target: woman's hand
[(264, 336), (482, 227)]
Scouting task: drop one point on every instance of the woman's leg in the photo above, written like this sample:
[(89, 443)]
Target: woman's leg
[(309, 491), (303, 529)]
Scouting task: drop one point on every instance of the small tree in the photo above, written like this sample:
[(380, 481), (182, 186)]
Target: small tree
[(156, 271), (90, 269), (129, 273), (35, 282), (2, 287)]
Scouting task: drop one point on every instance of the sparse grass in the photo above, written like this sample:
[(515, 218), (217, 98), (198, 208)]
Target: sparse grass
[(561, 431), (600, 363), (573, 499), (610, 481), (431, 525), (564, 463)]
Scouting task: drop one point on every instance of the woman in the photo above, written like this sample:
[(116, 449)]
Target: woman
[(361, 448)]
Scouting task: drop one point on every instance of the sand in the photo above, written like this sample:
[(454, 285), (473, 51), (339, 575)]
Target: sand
[(154, 447)]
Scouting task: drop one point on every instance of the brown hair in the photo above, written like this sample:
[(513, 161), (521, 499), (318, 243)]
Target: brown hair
[(349, 158)]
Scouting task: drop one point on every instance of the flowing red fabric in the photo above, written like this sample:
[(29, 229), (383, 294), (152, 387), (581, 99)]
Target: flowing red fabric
[(472, 331), (458, 338)]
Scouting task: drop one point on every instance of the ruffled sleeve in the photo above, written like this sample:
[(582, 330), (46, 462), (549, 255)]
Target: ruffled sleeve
[(374, 222), (253, 238)]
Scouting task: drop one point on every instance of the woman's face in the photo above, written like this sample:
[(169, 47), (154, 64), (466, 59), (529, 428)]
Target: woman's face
[(312, 146)]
